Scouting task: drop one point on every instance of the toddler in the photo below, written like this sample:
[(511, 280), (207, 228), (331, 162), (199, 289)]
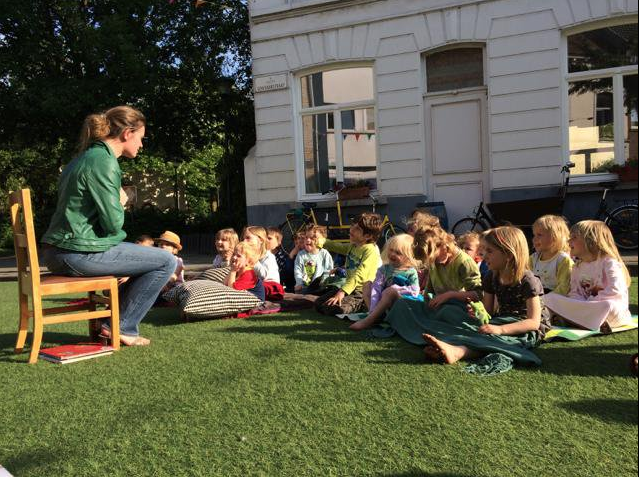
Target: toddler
[(171, 241), (396, 277), (362, 261), (284, 263), (550, 261), (312, 264), (470, 242), (452, 273), (242, 275), (225, 242), (598, 297), (266, 266)]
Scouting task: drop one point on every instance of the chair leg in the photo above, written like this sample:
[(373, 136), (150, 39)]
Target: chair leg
[(38, 328), (114, 305), (94, 325), (23, 326)]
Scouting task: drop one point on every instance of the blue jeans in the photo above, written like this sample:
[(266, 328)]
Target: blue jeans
[(149, 268)]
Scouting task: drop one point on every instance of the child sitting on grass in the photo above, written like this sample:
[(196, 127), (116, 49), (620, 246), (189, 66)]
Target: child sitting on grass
[(242, 275), (396, 278), (225, 242), (284, 263), (550, 260), (313, 263), (598, 297), (170, 241), (452, 274), (266, 266), (362, 261), (470, 242)]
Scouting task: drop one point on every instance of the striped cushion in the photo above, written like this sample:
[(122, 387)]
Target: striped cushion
[(210, 299), (215, 274)]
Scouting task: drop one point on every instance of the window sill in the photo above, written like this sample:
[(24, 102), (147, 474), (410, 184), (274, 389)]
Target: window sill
[(329, 203)]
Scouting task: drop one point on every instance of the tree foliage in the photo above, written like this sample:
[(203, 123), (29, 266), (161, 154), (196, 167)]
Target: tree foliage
[(186, 67)]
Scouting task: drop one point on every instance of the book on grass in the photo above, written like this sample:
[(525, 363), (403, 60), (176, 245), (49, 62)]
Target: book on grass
[(75, 352)]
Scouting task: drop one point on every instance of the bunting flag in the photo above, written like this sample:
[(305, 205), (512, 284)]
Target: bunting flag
[(369, 136), (344, 136), (357, 136)]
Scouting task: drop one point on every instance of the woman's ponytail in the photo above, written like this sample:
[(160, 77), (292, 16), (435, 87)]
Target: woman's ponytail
[(109, 124)]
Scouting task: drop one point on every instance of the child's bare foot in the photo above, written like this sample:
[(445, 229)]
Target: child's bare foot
[(441, 350), (362, 324)]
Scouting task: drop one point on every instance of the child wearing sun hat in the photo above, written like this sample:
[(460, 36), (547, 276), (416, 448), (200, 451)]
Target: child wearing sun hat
[(170, 241)]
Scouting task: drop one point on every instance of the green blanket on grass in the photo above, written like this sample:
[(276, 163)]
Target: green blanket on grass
[(575, 334), (451, 323)]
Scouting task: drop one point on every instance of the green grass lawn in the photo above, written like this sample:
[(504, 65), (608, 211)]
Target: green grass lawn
[(299, 394)]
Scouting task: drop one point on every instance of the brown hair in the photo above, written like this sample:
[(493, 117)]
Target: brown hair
[(275, 231), (599, 242), (109, 124), (512, 242), (371, 224)]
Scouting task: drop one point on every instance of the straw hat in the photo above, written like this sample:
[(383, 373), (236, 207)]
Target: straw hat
[(171, 238)]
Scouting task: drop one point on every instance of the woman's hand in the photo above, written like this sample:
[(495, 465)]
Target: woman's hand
[(123, 197), (491, 330)]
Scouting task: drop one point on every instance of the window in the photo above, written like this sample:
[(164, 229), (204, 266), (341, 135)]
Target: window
[(337, 119), (602, 97), (454, 69)]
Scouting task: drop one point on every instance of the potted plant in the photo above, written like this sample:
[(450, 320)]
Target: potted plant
[(627, 172), (355, 190)]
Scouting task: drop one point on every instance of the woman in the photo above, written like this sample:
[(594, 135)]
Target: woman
[(85, 237)]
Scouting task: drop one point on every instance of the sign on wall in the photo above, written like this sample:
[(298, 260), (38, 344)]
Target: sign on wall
[(269, 83)]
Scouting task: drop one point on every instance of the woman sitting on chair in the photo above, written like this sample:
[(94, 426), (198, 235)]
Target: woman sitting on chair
[(85, 236)]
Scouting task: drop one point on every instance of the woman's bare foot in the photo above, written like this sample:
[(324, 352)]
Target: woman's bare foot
[(440, 350), (127, 340), (362, 324)]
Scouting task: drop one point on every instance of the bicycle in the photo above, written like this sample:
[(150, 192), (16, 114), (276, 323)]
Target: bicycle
[(621, 220), (297, 219), (482, 220)]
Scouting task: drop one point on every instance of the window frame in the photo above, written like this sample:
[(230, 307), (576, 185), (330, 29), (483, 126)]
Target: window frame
[(616, 74), (300, 112)]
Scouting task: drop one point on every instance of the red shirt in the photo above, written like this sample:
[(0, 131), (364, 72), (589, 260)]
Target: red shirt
[(245, 280)]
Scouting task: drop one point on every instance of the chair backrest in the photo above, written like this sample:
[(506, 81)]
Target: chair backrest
[(24, 240)]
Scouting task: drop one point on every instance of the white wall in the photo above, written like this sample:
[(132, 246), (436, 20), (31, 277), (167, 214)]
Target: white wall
[(522, 40)]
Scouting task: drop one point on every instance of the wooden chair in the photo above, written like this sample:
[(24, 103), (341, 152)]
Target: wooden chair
[(32, 284)]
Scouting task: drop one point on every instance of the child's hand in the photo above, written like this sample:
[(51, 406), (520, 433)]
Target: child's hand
[(476, 310), (297, 288), (320, 240), (238, 264), (439, 300), (336, 300), (173, 278), (490, 330)]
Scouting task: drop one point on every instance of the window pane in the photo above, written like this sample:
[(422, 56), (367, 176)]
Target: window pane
[(319, 153), (630, 110), (359, 148), (591, 125), (603, 48), (454, 69), (337, 86)]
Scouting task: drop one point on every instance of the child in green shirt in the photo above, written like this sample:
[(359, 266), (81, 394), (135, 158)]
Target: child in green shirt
[(362, 261)]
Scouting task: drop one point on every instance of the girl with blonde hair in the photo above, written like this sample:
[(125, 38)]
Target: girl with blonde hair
[(266, 266), (242, 274), (452, 273), (517, 319), (598, 297), (550, 261), (85, 236), (397, 277), (225, 242)]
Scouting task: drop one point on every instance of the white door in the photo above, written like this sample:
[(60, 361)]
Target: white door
[(456, 151)]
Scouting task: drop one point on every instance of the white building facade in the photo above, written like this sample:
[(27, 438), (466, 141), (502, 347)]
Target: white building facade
[(456, 101)]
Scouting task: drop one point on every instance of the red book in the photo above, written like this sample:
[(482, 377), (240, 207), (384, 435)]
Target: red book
[(75, 352)]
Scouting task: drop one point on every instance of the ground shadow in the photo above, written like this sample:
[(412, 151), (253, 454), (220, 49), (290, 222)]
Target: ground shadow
[(595, 360), (421, 473), (8, 342), (634, 309), (622, 411), (28, 460)]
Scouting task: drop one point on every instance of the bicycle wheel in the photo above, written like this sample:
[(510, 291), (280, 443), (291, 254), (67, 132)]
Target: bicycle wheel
[(469, 224), (288, 229), (388, 231), (622, 222)]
